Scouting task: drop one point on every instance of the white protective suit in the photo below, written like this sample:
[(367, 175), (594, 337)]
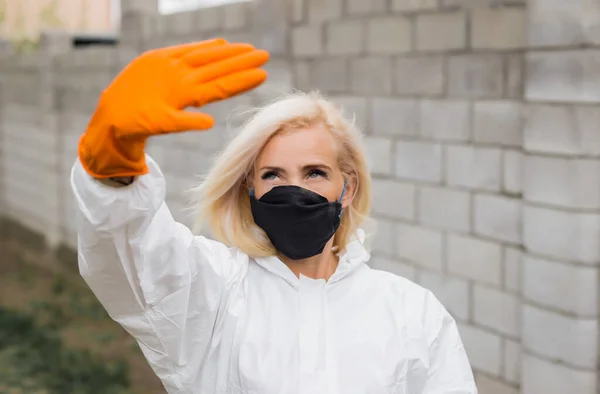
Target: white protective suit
[(209, 319)]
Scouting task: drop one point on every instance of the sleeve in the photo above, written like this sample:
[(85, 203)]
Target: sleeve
[(449, 368), (164, 285)]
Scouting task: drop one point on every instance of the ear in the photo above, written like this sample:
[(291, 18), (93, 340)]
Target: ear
[(349, 193)]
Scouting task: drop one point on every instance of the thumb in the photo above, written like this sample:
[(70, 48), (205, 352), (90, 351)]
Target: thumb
[(187, 120)]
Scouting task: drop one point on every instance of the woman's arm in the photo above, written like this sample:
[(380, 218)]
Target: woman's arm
[(166, 287), (449, 369)]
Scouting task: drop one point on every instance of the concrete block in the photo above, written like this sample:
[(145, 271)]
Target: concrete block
[(329, 75), (384, 239), (395, 117), (21, 115), (372, 75), (498, 122), (565, 130), (324, 10), (441, 32), (563, 235), (394, 199), (476, 76), (569, 183), (464, 4), (512, 361), (498, 217), (379, 155), (307, 41), (414, 5), (512, 174), (515, 65), (91, 58), (473, 168), (236, 16), (396, 267), (563, 24), (484, 349), (209, 19), (419, 245), (498, 28), (546, 283), (361, 7), (488, 385), (561, 338), (302, 70), (19, 151), (209, 141), (497, 310), (179, 24), (419, 76), (420, 161), (389, 34), (345, 38), (125, 56), (444, 208), (55, 42), (298, 11), (355, 109), (445, 120), (513, 262), (140, 6), (548, 377), (475, 259), (453, 293), (563, 76)]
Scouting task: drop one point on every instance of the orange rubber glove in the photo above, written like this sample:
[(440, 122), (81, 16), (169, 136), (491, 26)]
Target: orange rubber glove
[(150, 95)]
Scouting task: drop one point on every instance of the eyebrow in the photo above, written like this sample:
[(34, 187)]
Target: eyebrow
[(306, 167)]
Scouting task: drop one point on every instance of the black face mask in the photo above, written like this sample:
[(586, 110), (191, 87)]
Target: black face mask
[(298, 221)]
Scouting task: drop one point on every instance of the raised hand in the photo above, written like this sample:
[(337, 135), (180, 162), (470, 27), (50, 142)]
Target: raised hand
[(150, 96)]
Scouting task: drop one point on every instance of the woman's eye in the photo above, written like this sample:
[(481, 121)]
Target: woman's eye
[(269, 175), (317, 173)]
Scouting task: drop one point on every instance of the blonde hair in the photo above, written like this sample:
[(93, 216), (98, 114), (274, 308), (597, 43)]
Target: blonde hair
[(222, 199)]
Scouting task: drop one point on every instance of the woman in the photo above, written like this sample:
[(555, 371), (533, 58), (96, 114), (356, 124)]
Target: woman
[(285, 302)]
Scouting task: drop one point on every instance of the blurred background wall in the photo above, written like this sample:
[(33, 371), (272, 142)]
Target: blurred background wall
[(482, 123), (26, 19)]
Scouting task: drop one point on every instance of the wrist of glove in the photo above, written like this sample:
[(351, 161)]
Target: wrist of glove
[(117, 182), (123, 180), (150, 95)]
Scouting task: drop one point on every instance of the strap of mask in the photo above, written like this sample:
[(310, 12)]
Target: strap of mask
[(343, 192), (341, 198)]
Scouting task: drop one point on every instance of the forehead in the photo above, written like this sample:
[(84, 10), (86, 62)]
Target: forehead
[(306, 144)]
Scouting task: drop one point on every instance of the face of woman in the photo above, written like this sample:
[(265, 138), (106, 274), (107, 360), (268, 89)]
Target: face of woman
[(307, 158)]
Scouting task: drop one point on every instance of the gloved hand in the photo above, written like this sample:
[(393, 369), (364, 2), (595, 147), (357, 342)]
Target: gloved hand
[(149, 97)]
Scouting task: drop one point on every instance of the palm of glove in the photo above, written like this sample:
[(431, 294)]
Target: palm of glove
[(150, 96)]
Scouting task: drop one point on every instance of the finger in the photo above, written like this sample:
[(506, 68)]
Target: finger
[(203, 56), (180, 50), (229, 66), (228, 86), (187, 120)]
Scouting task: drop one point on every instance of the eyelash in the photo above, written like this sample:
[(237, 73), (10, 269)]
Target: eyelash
[(316, 172), (268, 174)]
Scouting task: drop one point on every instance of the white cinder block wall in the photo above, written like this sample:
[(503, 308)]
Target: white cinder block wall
[(483, 133)]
